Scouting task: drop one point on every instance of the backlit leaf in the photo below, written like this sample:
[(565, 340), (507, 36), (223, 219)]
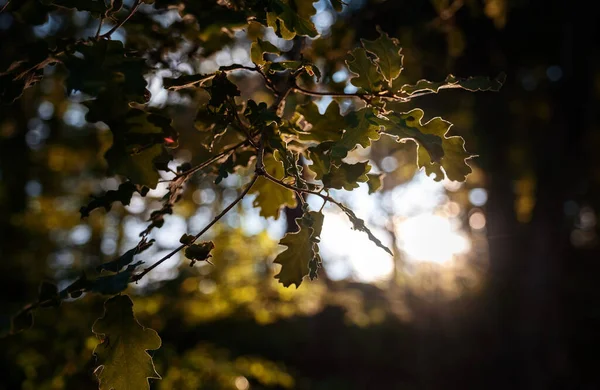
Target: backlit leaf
[(361, 128), (288, 22), (123, 361), (301, 249), (435, 149), (387, 51), (271, 197), (259, 48), (326, 127), (375, 182), (472, 84), (367, 74), (346, 176)]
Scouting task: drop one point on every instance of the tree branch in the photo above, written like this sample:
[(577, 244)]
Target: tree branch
[(137, 277), (206, 163), (364, 96), (304, 190)]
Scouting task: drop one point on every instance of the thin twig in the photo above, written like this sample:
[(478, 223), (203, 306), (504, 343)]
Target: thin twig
[(134, 8), (260, 155), (306, 191), (5, 6), (364, 96), (268, 82), (137, 277), (209, 161), (97, 36), (242, 126)]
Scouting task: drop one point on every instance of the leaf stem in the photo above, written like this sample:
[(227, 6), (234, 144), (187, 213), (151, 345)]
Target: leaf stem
[(137, 277)]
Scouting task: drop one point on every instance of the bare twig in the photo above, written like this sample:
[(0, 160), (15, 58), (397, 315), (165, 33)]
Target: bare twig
[(5, 6), (137, 277)]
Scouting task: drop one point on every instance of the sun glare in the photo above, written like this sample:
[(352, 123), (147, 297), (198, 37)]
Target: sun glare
[(349, 252), (431, 238)]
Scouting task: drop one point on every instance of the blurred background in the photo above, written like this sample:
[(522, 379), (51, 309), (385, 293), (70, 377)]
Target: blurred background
[(493, 283)]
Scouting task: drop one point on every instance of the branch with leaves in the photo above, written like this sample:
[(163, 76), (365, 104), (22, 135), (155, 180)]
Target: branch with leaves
[(268, 140)]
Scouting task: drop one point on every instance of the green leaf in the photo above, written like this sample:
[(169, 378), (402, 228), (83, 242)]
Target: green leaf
[(367, 75), (359, 224), (362, 127), (123, 361), (314, 265), (472, 84), (435, 149), (375, 182), (95, 65), (283, 154), (123, 194), (259, 48), (387, 50), (221, 90), (137, 151), (126, 258), (113, 284), (271, 197), (288, 22), (321, 128), (296, 67), (321, 159), (186, 81), (346, 176), (301, 250), (339, 175), (199, 252)]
